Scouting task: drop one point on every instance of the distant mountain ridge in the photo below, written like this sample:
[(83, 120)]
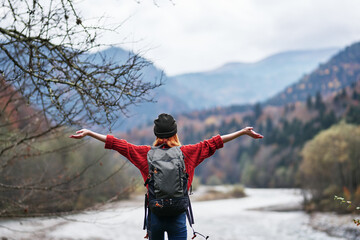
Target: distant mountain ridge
[(239, 83)]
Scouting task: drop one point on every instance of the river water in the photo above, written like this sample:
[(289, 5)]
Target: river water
[(246, 218)]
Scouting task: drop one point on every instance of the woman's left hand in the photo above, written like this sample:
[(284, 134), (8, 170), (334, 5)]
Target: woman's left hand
[(250, 132)]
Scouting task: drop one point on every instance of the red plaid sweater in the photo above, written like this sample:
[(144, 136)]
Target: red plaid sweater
[(194, 154)]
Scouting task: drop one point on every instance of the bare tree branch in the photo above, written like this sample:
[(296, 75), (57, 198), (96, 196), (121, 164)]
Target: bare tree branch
[(52, 78)]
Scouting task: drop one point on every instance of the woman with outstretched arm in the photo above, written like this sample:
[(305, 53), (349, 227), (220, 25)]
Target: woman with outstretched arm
[(165, 130)]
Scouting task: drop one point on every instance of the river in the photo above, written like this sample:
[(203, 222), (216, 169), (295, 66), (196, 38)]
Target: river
[(246, 218)]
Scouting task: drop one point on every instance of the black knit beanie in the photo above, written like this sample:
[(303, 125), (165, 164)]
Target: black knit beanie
[(165, 126)]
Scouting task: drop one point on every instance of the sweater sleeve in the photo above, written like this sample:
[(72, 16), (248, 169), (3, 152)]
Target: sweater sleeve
[(137, 155), (196, 153)]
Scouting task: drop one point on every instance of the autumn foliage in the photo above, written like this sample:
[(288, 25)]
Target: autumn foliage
[(331, 165)]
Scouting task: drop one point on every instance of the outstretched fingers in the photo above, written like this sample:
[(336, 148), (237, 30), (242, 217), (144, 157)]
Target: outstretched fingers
[(255, 134), (79, 134), (249, 131)]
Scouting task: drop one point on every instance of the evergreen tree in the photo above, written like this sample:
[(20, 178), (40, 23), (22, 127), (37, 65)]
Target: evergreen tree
[(353, 116), (309, 103), (269, 124), (257, 110), (319, 104), (355, 96)]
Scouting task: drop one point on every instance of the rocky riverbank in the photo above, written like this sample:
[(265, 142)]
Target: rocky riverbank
[(336, 225)]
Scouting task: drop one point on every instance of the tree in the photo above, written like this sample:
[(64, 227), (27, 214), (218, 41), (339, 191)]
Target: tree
[(257, 110), (319, 104), (309, 103), (44, 56), (50, 81), (353, 115), (331, 163)]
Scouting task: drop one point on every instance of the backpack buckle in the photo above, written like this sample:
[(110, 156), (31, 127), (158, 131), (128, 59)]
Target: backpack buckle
[(159, 205)]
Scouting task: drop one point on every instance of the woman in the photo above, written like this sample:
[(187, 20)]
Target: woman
[(165, 130)]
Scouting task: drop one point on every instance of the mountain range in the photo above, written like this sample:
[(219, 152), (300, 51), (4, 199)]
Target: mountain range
[(241, 83), (231, 84)]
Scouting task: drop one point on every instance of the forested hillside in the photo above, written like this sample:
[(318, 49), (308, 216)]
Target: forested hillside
[(340, 71), (274, 160)]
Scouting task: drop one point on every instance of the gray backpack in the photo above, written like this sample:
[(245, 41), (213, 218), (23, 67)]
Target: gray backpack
[(167, 181), (167, 185)]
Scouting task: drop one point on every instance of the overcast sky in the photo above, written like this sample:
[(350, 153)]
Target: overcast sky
[(197, 35)]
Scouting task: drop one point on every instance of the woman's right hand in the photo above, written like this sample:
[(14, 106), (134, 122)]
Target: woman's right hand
[(80, 134)]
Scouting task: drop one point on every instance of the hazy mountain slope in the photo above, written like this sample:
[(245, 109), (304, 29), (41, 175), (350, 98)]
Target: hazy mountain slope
[(238, 83)]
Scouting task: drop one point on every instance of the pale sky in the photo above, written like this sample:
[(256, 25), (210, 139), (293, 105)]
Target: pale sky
[(182, 36)]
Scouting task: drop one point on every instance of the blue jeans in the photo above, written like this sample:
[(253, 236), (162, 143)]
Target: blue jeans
[(174, 226)]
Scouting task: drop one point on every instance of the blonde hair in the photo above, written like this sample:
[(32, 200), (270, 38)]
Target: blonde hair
[(172, 141)]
